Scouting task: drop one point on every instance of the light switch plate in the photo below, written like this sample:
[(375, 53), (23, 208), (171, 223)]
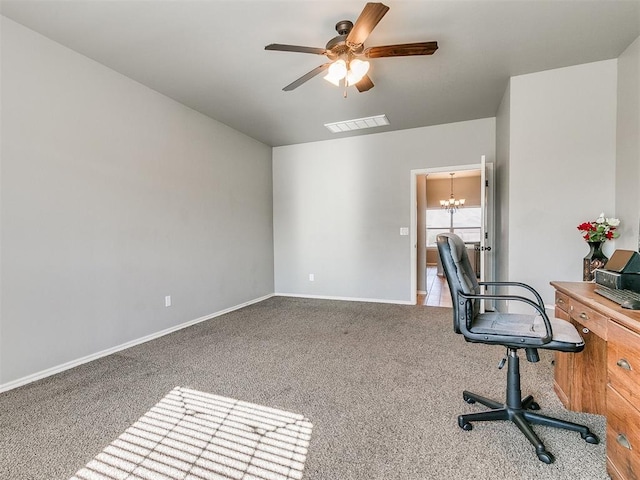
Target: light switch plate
[(404, 231)]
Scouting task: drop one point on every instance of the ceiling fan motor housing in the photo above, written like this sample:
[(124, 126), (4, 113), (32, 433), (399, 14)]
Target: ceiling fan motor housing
[(338, 46), (343, 27)]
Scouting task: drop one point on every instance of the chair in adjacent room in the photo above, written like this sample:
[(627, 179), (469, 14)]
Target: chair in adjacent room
[(515, 331)]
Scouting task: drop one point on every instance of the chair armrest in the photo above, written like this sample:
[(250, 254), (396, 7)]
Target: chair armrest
[(535, 341), (515, 284)]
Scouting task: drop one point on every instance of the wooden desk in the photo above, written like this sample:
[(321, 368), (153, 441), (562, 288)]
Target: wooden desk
[(605, 377)]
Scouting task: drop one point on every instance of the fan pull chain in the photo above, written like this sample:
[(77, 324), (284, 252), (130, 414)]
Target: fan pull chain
[(344, 95)]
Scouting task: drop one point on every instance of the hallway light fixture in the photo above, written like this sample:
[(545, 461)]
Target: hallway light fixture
[(451, 205)]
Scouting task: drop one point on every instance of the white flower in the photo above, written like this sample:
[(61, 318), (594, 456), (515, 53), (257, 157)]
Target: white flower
[(614, 222), (600, 219)]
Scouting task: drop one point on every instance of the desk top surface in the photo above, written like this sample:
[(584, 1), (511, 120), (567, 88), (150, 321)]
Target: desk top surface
[(584, 292)]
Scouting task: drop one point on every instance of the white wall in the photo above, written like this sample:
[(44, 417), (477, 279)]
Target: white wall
[(114, 196), (339, 206), (628, 148), (562, 144)]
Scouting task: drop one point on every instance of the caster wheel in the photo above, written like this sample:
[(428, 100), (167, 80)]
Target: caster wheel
[(534, 406), (590, 438), (546, 457), (468, 399), (464, 425)]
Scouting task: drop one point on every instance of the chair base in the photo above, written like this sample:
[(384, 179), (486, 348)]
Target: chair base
[(519, 411)]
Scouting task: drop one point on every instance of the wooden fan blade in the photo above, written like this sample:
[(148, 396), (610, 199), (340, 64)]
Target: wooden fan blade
[(364, 84), (306, 77), (403, 50), (295, 48), (371, 14)]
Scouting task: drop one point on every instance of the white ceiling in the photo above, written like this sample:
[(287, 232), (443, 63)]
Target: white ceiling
[(209, 54)]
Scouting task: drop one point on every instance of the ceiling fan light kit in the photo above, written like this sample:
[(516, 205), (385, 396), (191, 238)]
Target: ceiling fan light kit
[(345, 51), (351, 71), (337, 71)]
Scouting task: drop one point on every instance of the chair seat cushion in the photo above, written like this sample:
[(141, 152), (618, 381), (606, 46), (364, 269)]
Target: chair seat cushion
[(565, 336)]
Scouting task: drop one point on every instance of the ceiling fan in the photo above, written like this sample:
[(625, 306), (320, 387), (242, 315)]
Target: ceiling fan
[(347, 50)]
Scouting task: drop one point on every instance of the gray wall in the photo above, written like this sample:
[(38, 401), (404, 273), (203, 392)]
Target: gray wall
[(113, 196), (628, 148), (339, 206), (503, 124), (561, 169)]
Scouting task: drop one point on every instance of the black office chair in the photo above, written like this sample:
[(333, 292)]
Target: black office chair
[(512, 330)]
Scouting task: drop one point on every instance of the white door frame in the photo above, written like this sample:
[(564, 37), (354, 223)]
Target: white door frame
[(414, 217)]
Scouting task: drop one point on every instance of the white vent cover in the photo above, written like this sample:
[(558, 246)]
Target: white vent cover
[(358, 124)]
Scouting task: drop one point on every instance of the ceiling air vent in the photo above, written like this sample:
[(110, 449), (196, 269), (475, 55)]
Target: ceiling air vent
[(357, 124)]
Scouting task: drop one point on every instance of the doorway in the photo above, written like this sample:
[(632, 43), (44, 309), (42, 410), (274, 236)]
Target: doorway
[(473, 222)]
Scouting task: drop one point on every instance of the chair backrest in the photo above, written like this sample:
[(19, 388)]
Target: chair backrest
[(460, 276)]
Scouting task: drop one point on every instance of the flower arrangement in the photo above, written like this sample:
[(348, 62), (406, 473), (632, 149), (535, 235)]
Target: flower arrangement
[(600, 230)]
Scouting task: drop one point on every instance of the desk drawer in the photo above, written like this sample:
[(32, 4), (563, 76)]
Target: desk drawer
[(623, 362), (562, 301), (623, 435), (587, 317)]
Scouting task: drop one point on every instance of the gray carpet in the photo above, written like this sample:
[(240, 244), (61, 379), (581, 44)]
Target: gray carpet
[(192, 435), (381, 384)]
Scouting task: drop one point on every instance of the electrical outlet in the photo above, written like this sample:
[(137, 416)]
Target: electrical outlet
[(167, 301), (312, 277)]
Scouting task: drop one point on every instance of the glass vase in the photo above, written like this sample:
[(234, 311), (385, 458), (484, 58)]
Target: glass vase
[(593, 260)]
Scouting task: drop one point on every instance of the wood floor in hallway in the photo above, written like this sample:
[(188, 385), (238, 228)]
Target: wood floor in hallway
[(437, 290)]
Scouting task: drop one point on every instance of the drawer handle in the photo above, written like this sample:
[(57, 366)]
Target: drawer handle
[(622, 440), (623, 363), (560, 300), (584, 316), (585, 330)]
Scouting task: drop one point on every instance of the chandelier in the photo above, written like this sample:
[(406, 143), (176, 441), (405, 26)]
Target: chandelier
[(451, 204)]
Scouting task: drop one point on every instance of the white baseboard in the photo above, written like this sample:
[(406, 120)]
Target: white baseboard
[(347, 299), (74, 363), (421, 292)]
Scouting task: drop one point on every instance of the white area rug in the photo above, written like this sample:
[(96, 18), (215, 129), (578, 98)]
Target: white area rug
[(191, 435)]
